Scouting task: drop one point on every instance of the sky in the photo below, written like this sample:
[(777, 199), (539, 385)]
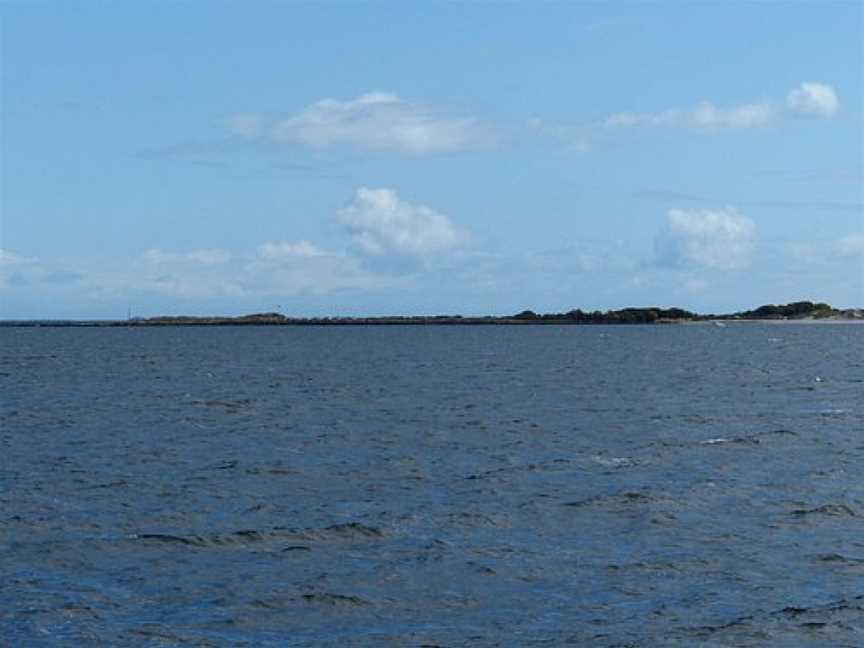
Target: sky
[(373, 158)]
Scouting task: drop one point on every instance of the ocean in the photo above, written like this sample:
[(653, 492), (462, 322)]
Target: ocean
[(651, 486)]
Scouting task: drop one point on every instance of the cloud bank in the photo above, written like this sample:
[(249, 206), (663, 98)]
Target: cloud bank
[(388, 240)]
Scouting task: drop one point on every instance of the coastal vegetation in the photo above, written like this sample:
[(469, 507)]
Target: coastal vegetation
[(795, 311), (800, 310)]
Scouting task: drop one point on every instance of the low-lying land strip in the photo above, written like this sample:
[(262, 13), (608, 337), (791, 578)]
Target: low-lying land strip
[(796, 311)]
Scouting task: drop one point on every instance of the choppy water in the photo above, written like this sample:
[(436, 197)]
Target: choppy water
[(432, 486)]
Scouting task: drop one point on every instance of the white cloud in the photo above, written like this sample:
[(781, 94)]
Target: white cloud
[(721, 239), (813, 99), (380, 223), (373, 121), (389, 239), (816, 99), (704, 115), (286, 250)]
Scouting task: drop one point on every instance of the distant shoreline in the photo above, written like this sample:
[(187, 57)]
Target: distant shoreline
[(358, 322), (796, 312)]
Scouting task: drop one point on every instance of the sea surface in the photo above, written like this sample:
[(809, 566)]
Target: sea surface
[(648, 486)]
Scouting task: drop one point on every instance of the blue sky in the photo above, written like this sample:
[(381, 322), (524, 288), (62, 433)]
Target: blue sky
[(370, 158)]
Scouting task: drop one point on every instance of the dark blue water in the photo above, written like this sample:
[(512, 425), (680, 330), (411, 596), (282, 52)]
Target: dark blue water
[(432, 486)]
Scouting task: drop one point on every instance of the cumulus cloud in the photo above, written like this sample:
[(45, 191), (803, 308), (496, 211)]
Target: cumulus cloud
[(715, 239), (813, 99), (379, 223), (378, 121)]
